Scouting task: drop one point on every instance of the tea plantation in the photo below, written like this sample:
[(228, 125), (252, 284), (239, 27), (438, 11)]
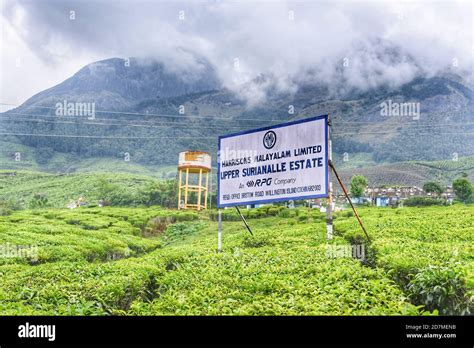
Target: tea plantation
[(152, 261)]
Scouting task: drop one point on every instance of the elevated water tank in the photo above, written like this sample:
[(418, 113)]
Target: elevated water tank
[(193, 171), (195, 160)]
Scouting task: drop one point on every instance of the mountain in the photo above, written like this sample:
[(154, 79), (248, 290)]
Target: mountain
[(117, 84), (152, 112)]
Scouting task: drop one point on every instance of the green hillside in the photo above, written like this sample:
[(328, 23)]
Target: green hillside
[(412, 173), (131, 181), (14, 156), (19, 187), (123, 261)]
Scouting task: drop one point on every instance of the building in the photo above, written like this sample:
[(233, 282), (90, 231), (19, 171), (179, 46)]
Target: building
[(391, 196)]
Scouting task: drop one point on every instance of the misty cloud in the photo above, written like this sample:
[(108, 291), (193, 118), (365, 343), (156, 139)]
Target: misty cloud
[(255, 46)]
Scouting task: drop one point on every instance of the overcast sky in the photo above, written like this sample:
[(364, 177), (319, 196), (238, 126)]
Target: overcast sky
[(366, 43)]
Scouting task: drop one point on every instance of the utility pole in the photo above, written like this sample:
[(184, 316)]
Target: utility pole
[(329, 204), (219, 231)]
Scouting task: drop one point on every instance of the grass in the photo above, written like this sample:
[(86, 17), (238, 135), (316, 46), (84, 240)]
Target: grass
[(172, 267)]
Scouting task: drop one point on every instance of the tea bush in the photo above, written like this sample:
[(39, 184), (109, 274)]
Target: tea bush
[(103, 265), (441, 288), (256, 241), (181, 230), (423, 202), (422, 248)]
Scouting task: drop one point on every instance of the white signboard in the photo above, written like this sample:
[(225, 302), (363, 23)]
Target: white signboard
[(283, 162)]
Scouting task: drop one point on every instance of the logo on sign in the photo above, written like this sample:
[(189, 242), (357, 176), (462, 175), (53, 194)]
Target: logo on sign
[(269, 139)]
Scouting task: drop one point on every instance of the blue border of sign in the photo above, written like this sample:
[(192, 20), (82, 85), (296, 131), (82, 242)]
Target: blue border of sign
[(314, 118)]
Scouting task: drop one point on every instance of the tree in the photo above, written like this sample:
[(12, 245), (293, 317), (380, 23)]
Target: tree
[(433, 187), (161, 193), (358, 185), (106, 190), (463, 189), (39, 200)]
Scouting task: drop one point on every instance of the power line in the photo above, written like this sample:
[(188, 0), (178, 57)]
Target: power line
[(394, 132), (194, 116), (102, 137), (157, 125), (350, 131), (38, 117), (106, 124), (191, 137), (96, 119), (100, 119), (160, 115), (413, 127), (402, 118)]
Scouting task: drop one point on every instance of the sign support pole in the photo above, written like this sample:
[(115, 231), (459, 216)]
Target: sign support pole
[(243, 219), (329, 200), (219, 231), (350, 202)]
